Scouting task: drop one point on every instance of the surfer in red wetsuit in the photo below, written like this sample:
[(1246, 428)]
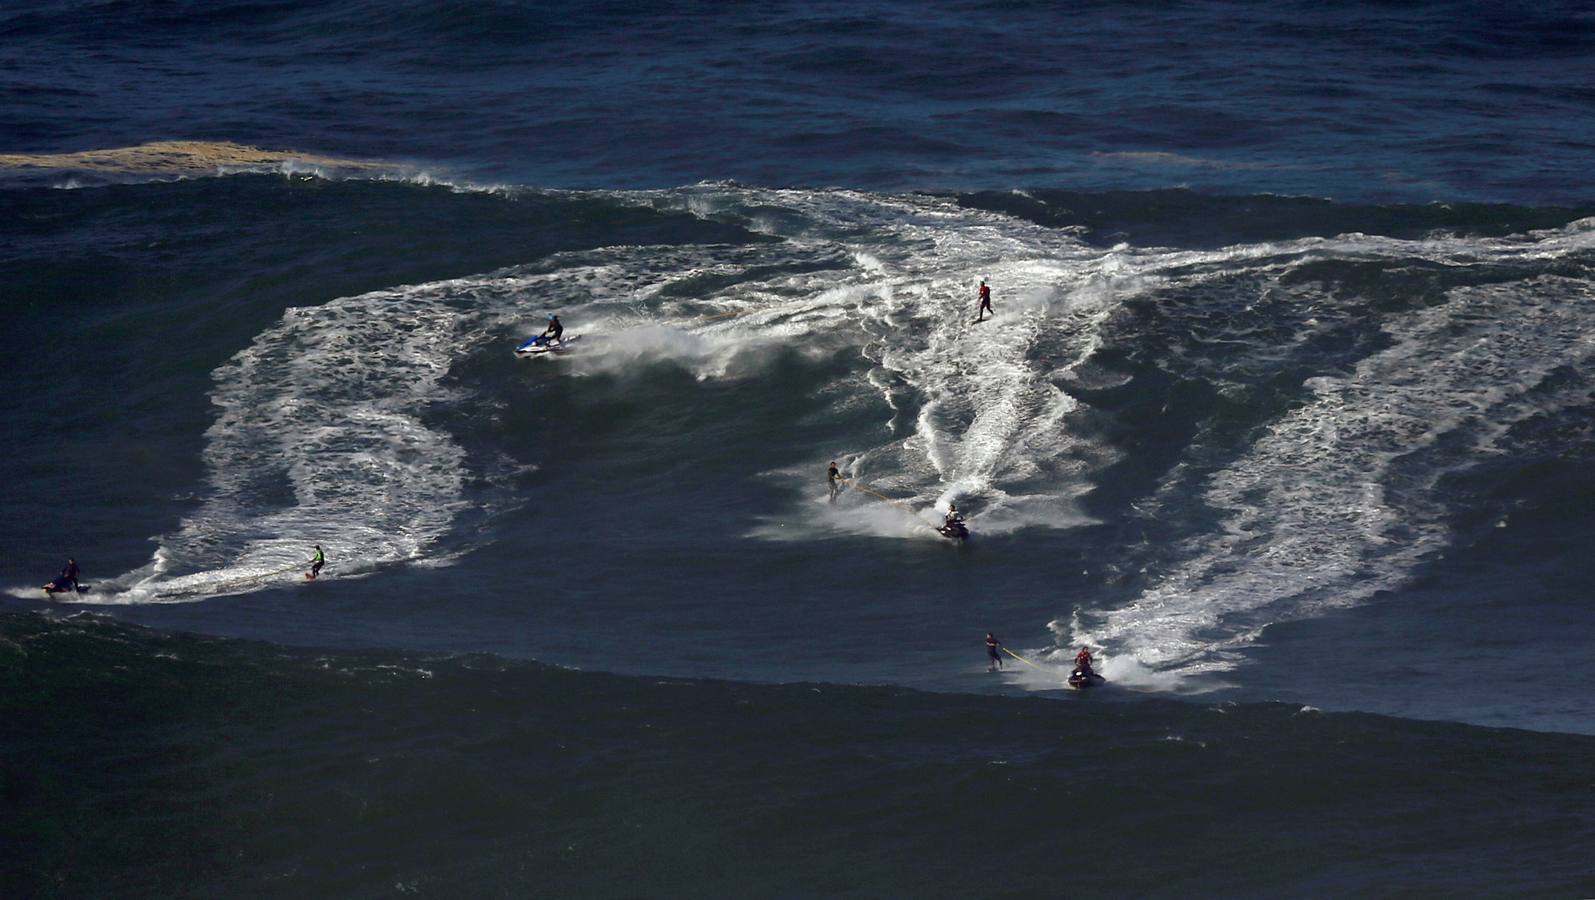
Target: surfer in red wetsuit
[(985, 303)]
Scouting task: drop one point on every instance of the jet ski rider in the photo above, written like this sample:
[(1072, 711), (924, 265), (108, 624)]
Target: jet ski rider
[(554, 329), (1082, 660), (954, 518)]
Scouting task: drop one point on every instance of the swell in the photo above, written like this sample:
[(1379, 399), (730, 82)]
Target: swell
[(179, 765)]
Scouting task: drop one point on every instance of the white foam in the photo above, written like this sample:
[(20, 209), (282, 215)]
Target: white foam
[(1337, 499), (322, 436), (989, 415)]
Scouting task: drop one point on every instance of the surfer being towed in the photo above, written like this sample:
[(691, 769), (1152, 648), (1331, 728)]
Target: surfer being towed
[(985, 303), (992, 645), (316, 562)]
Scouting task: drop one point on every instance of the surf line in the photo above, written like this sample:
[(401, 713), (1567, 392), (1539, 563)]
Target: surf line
[(1023, 660), (861, 486), (892, 500)]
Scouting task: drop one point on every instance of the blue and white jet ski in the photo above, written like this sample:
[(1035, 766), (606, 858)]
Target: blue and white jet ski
[(543, 345)]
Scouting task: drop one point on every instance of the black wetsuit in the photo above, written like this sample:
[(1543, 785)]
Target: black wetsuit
[(69, 575), (316, 562), (555, 330), (991, 649)]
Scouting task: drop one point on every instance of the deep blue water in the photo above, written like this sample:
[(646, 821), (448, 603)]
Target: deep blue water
[(1285, 411)]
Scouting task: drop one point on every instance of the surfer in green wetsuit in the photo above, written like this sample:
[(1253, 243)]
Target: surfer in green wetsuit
[(316, 562)]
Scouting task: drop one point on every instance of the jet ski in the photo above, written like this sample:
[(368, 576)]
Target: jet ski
[(64, 585), (954, 529), (544, 345), (1083, 677)]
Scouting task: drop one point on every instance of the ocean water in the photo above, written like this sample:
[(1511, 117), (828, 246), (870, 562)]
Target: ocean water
[(1285, 411)]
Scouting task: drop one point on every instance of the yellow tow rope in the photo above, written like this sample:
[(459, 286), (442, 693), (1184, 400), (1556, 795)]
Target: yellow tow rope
[(1023, 660)]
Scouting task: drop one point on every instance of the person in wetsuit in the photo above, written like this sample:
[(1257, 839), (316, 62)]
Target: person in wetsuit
[(833, 477), (992, 646), (554, 329), (66, 581), (316, 562), (1082, 661), (985, 303)]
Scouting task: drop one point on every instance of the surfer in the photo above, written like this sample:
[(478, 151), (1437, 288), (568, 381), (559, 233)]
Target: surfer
[(985, 302), (992, 646), (833, 477), (554, 329), (316, 562)]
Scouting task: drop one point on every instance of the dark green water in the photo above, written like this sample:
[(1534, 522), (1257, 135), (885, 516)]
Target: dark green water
[(194, 766)]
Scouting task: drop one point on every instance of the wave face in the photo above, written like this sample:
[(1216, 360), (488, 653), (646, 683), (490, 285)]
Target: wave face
[(1361, 101), (1176, 441)]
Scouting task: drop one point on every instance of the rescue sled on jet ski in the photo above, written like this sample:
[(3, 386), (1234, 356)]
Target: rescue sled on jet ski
[(1084, 677), (545, 345)]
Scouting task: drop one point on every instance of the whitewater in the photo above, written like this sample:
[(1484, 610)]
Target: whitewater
[(332, 428)]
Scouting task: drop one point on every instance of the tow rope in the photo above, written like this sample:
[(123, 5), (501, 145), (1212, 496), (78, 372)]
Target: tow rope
[(861, 486), (1023, 660)]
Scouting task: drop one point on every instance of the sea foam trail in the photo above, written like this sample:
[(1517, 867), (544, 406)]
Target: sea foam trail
[(322, 435), (320, 439), (973, 410), (1337, 499)]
